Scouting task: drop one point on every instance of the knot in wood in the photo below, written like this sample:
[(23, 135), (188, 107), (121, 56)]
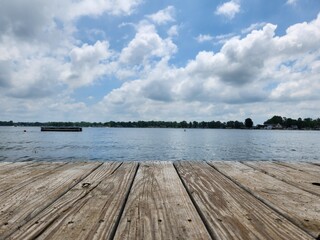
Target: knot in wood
[(86, 185)]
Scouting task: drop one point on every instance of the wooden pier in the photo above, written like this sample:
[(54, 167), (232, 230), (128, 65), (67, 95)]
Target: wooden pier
[(159, 200)]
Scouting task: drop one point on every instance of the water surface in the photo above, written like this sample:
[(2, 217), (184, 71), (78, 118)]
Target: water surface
[(127, 144)]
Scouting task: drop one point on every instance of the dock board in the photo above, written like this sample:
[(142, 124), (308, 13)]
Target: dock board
[(297, 205), (159, 207), (292, 176), (19, 206), (89, 211), (159, 200), (231, 212)]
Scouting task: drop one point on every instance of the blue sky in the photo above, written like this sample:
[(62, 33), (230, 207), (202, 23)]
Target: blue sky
[(102, 60)]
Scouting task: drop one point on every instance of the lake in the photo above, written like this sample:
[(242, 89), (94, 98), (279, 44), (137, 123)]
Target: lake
[(127, 144)]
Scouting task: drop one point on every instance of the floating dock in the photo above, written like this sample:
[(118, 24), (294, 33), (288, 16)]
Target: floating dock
[(159, 200), (61, 129)]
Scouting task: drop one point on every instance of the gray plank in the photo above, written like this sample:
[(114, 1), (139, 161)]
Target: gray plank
[(231, 212), (289, 175), (300, 207), (159, 207), (90, 210), (18, 207)]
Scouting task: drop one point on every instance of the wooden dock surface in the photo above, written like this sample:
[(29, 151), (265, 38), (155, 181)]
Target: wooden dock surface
[(160, 200)]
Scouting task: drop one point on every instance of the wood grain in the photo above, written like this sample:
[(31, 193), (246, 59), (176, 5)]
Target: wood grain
[(10, 168), (2, 164), (112, 200), (18, 207), (88, 211), (159, 207), (308, 168), (300, 207), (289, 175), (22, 176), (231, 212)]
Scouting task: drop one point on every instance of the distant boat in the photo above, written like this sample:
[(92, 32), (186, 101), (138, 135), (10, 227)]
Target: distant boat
[(61, 129)]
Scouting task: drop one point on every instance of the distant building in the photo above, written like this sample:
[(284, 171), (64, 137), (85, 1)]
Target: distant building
[(273, 126), (268, 126), (278, 126)]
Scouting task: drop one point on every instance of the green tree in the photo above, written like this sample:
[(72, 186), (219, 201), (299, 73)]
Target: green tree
[(238, 124), (230, 124), (183, 124), (274, 120), (248, 123)]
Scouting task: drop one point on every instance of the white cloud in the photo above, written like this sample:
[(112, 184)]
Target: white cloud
[(40, 58), (292, 2), (87, 64), (228, 9), (251, 71), (219, 39), (254, 26), (222, 39), (163, 16), (204, 38), (76, 9), (30, 31), (146, 45), (173, 31), (35, 19)]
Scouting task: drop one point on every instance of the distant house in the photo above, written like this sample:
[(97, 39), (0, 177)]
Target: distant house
[(278, 126), (268, 126), (273, 126)]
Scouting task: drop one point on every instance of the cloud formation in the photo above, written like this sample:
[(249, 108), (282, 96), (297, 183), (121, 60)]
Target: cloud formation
[(43, 62), (204, 38), (228, 9), (145, 46), (163, 16), (250, 70), (292, 2), (87, 63)]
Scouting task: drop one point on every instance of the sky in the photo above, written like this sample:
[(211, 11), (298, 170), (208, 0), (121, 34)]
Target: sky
[(129, 60)]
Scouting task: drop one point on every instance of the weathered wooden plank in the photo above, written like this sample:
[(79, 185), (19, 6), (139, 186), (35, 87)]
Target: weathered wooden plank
[(88, 211), (7, 169), (289, 175), (22, 176), (231, 212), (6, 165), (2, 164), (20, 206), (159, 207), (308, 168), (300, 207)]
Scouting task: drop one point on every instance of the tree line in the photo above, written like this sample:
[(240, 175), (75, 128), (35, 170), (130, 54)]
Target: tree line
[(307, 123), (131, 124)]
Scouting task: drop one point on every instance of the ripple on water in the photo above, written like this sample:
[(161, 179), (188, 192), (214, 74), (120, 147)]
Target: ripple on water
[(159, 144)]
